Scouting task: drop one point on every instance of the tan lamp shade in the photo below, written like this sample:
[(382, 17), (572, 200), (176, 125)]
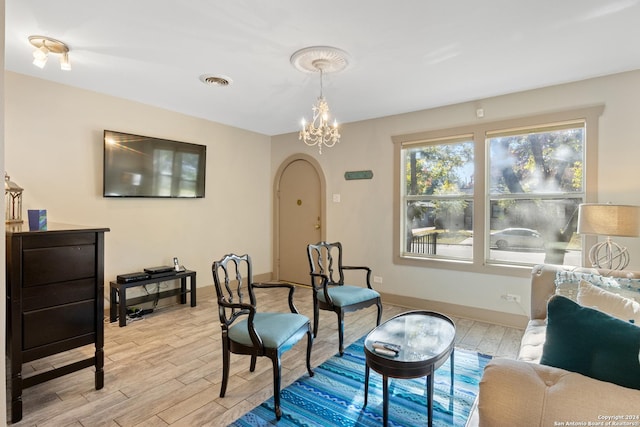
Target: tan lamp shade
[(609, 220)]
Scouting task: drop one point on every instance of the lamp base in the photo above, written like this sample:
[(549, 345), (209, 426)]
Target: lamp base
[(609, 255)]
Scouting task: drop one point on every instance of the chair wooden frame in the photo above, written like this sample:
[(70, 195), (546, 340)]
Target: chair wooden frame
[(322, 263), (232, 307)]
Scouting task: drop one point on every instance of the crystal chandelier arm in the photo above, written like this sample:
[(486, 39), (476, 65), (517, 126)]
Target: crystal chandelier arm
[(319, 131)]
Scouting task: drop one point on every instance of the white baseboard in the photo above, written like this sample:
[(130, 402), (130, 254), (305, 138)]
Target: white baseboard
[(473, 313)]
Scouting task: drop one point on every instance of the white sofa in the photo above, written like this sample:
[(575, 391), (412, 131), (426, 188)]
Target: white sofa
[(524, 393)]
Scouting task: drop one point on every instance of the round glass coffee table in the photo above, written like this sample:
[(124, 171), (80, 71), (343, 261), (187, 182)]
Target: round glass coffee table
[(409, 345)]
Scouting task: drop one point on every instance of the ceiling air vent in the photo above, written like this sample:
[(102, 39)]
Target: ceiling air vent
[(215, 80)]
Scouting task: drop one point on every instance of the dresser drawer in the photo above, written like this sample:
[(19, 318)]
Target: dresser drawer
[(58, 264), (57, 239), (46, 326), (50, 295)]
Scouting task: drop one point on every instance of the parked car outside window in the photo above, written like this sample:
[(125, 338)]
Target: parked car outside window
[(517, 238)]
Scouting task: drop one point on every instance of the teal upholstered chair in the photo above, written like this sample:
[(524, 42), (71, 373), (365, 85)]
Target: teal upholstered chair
[(330, 291), (247, 331)]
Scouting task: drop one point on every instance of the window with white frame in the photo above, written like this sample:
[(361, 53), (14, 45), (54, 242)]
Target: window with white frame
[(495, 194)]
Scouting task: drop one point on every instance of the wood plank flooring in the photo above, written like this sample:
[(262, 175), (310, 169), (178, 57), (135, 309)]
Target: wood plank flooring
[(165, 369)]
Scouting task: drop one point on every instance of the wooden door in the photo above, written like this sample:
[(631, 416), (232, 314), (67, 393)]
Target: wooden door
[(299, 219)]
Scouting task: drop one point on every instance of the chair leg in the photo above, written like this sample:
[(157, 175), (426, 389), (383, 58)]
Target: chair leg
[(341, 332), (309, 344), (316, 315), (379, 304), (252, 367), (225, 368), (276, 386)]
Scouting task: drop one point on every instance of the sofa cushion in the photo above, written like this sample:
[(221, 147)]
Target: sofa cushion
[(612, 304), (532, 341), (592, 343), (567, 282), (514, 393)]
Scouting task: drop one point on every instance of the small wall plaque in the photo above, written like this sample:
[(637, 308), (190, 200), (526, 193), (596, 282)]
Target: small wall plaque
[(358, 175)]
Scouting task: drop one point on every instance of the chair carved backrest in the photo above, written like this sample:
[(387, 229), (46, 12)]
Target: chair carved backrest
[(325, 260), (233, 281), (330, 291)]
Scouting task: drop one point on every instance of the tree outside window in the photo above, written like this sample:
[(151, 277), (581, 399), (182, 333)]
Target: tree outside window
[(439, 187), (534, 184)]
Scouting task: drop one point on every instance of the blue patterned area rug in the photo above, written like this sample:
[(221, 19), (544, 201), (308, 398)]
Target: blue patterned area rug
[(335, 394)]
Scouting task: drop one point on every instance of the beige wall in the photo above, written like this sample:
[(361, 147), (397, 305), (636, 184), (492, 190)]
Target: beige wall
[(362, 221), (3, 391), (54, 151)]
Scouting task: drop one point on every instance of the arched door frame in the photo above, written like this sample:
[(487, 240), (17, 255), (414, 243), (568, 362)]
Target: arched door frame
[(276, 206)]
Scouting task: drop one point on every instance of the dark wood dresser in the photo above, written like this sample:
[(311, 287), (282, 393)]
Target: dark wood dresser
[(55, 301)]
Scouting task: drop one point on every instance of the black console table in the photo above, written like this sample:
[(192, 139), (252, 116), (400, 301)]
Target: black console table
[(119, 290)]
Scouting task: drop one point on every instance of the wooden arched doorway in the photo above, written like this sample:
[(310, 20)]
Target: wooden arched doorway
[(299, 214)]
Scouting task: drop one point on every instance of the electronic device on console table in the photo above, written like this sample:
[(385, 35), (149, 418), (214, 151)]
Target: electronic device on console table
[(132, 277), (160, 271), (148, 273)]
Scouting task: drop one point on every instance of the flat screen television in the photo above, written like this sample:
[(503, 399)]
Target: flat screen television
[(142, 166)]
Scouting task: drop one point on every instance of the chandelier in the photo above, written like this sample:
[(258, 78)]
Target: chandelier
[(320, 131)]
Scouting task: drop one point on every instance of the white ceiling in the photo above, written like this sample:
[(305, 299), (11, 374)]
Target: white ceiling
[(406, 55)]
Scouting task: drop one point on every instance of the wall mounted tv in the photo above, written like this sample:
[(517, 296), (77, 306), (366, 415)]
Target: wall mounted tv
[(141, 166)]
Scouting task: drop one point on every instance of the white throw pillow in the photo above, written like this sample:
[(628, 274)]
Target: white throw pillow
[(608, 302)]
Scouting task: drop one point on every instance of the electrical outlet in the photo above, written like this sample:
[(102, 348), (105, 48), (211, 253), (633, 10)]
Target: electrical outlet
[(511, 297), (377, 279)]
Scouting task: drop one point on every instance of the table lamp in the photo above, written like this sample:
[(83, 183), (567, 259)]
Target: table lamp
[(609, 220)]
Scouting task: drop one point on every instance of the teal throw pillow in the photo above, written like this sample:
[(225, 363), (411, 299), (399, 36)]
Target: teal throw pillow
[(592, 343)]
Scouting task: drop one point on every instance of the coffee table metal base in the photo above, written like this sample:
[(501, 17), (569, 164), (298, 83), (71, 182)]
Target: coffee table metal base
[(385, 390), (421, 341)]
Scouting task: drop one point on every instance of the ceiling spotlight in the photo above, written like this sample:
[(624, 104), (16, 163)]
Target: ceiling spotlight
[(40, 56), (44, 46), (64, 62)]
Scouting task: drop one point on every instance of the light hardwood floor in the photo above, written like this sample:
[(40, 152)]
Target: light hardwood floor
[(165, 369)]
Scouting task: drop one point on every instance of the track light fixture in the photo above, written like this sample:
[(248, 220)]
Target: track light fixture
[(44, 46)]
